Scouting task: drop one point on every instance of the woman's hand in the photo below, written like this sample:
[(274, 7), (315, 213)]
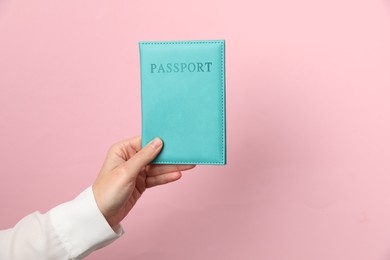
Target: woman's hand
[(126, 174)]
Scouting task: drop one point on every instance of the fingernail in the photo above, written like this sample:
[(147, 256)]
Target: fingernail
[(156, 143)]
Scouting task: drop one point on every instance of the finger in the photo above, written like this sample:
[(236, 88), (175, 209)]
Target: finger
[(120, 152), (142, 158), (162, 179), (158, 169), (126, 148)]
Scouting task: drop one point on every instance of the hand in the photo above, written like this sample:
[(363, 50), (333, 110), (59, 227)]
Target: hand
[(126, 174)]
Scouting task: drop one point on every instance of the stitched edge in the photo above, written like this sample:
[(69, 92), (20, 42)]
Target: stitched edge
[(222, 43), (186, 162), (183, 42)]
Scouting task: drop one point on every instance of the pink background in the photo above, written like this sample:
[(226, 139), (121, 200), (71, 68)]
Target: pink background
[(308, 90)]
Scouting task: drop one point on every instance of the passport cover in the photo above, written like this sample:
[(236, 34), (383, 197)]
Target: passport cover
[(183, 100)]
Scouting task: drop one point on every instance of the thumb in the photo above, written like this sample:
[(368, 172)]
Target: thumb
[(144, 156)]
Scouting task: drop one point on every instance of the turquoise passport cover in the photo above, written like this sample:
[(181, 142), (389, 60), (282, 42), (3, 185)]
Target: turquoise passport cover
[(183, 100)]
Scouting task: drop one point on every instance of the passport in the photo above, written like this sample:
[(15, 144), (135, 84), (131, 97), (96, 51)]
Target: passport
[(183, 100)]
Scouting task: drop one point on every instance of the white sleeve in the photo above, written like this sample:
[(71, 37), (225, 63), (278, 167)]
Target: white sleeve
[(71, 230)]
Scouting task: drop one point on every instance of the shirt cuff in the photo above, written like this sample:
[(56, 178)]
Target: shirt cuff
[(81, 226)]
